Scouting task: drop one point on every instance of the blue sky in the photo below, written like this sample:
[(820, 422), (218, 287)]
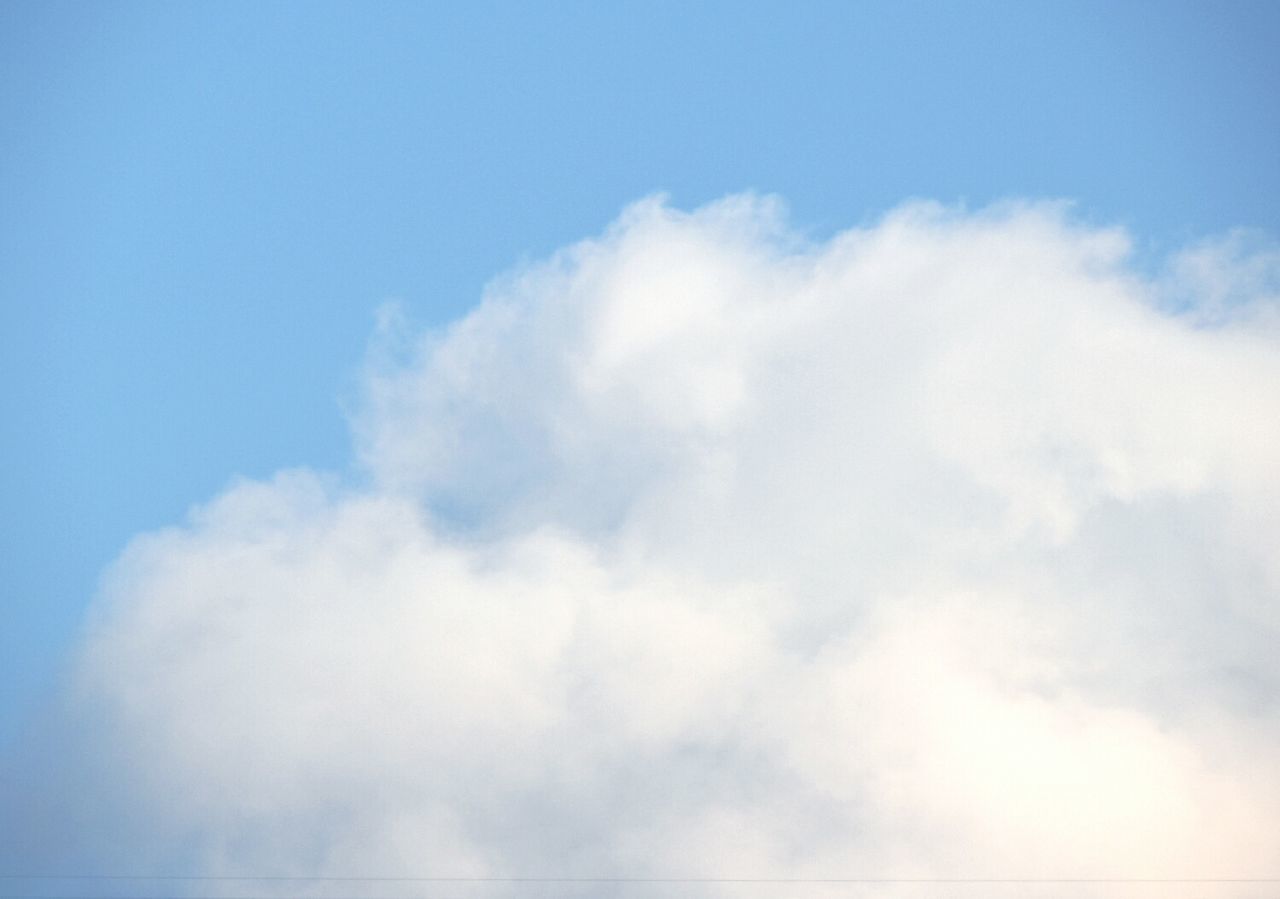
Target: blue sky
[(878, 529), (203, 205)]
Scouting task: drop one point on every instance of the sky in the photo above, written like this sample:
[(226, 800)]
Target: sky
[(828, 344)]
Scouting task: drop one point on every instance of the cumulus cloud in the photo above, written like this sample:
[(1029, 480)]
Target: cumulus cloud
[(942, 548)]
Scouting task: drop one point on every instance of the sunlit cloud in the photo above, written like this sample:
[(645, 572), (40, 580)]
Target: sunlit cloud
[(944, 547)]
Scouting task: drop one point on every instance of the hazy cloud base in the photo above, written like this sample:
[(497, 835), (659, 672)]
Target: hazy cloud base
[(946, 547)]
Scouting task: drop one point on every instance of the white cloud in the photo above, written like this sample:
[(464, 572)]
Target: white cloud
[(942, 548)]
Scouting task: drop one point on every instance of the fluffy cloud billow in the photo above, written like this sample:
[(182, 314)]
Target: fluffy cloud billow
[(943, 548)]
